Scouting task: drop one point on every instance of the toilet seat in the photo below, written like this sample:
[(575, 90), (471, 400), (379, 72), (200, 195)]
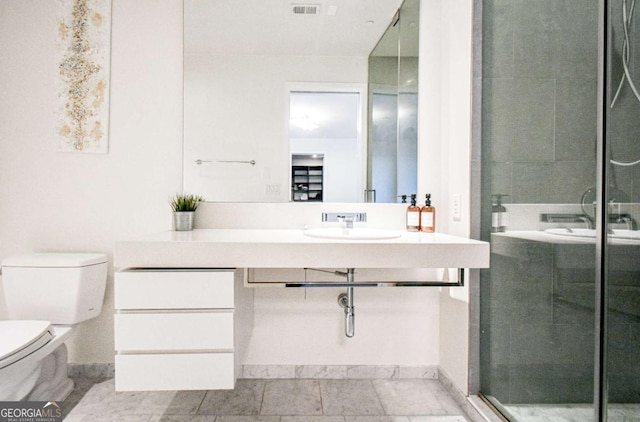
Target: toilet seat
[(20, 338)]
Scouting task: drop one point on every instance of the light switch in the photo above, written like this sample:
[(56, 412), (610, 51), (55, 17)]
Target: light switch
[(456, 207)]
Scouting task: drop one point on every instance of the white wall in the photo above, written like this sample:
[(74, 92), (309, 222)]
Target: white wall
[(394, 326), (67, 202), (236, 108), (52, 201), (445, 145)]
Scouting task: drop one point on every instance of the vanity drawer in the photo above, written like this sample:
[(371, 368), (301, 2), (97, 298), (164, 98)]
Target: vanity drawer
[(169, 331), (173, 289), (189, 371)]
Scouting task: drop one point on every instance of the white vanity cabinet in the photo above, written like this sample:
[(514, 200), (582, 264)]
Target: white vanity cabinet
[(180, 329)]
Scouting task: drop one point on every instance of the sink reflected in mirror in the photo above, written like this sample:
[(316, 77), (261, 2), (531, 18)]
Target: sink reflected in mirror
[(591, 233), (358, 233)]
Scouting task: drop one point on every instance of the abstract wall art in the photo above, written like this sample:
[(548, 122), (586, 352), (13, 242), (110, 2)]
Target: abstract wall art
[(83, 51)]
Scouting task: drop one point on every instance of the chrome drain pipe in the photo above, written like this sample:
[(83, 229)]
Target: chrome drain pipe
[(345, 300)]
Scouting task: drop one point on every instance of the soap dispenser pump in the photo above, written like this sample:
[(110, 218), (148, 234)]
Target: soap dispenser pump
[(413, 215), (499, 216), (428, 216)]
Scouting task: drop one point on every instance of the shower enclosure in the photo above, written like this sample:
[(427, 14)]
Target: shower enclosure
[(560, 129)]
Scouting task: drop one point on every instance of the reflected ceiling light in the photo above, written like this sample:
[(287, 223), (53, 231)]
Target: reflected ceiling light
[(304, 122), (369, 22)]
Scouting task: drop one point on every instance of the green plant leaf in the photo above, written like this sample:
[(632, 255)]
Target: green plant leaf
[(185, 202)]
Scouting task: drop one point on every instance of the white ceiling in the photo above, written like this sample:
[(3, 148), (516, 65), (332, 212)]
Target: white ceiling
[(269, 27)]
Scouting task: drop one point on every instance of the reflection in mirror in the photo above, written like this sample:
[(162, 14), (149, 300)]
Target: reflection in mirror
[(393, 108), (239, 56), (326, 146)]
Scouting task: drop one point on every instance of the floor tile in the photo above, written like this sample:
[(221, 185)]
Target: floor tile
[(155, 402), (81, 387), (292, 397), (414, 397), (171, 402), (349, 397), (244, 400), (287, 400), (444, 398), (74, 418), (105, 417), (102, 399), (181, 418)]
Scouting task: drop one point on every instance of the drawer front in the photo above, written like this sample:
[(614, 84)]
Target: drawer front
[(141, 289), (193, 371), (174, 331)]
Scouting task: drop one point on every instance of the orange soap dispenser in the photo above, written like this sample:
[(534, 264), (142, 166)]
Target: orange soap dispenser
[(428, 216), (413, 215)]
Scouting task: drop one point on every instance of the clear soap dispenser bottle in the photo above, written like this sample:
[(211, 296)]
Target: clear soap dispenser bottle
[(428, 216), (413, 215), (499, 216)]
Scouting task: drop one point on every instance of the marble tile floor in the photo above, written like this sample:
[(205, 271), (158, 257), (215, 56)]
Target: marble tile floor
[(261, 400)]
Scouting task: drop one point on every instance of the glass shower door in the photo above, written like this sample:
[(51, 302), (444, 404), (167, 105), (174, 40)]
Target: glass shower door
[(539, 130)]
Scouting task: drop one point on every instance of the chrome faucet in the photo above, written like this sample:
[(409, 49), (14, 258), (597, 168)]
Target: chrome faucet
[(629, 221), (344, 217), (560, 218), (346, 220)]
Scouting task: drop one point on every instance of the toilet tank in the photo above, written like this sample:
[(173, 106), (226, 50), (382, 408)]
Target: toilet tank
[(63, 288)]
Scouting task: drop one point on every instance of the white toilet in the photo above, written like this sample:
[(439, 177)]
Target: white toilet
[(46, 295)]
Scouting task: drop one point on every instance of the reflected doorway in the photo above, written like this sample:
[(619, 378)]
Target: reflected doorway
[(325, 140)]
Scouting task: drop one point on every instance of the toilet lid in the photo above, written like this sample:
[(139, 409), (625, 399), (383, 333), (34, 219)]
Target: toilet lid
[(55, 260), (21, 338)]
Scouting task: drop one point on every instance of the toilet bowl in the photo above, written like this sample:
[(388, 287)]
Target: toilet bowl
[(46, 295)]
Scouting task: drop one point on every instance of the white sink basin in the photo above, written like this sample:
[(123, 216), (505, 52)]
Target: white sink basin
[(358, 233)]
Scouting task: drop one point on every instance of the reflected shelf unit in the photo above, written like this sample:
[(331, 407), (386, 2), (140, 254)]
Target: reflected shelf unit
[(307, 183)]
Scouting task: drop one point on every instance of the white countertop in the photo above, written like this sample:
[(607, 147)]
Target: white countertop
[(290, 248)]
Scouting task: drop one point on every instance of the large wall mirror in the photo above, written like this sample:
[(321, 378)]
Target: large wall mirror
[(241, 60)]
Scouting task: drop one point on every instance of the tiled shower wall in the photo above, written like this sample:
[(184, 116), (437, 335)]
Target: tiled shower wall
[(539, 101)]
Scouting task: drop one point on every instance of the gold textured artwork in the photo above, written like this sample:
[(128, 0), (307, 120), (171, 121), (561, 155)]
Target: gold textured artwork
[(83, 59)]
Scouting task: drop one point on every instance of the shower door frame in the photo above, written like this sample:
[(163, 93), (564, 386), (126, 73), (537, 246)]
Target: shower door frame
[(602, 194)]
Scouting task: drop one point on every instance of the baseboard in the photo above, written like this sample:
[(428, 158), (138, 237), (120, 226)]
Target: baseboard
[(91, 370), (339, 372), (107, 370)]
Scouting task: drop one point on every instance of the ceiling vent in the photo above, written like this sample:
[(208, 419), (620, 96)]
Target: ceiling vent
[(306, 9)]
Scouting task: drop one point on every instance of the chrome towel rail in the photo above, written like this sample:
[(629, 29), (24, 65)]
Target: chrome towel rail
[(199, 161), (426, 283)]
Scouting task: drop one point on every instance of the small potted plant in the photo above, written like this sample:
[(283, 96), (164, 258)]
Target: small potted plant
[(184, 208)]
